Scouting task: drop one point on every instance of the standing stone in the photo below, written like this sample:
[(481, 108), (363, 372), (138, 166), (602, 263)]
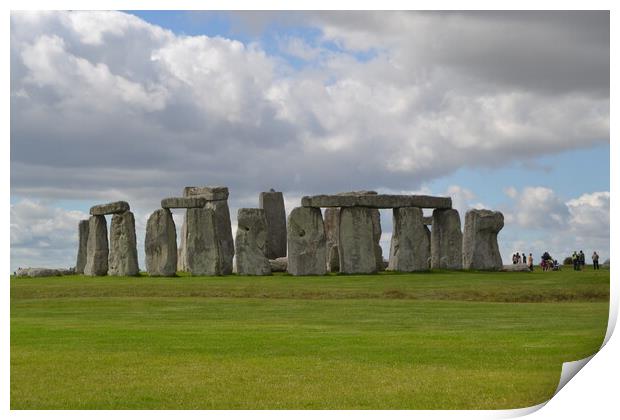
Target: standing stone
[(97, 247), (202, 253), (480, 249), (181, 254), (251, 243), (356, 241), (273, 204), (217, 200), (375, 215), (306, 242), (123, 257), (331, 222), (446, 240), (160, 244), (410, 246), (82, 246)]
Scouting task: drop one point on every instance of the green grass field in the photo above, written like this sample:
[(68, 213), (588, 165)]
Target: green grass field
[(449, 340)]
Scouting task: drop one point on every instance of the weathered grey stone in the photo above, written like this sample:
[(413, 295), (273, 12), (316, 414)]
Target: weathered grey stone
[(356, 241), (516, 267), (427, 220), (202, 253), (251, 243), (160, 244), (181, 251), (331, 221), (410, 246), (123, 257), (380, 201), (375, 215), (273, 204), (217, 201), (183, 202), (109, 208), (82, 244), (306, 242), (223, 233), (38, 272), (210, 193), (446, 240), (278, 265), (97, 247), (480, 249)]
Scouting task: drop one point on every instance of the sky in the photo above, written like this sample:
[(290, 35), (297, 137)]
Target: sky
[(501, 110)]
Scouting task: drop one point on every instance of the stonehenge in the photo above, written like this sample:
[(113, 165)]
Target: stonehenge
[(82, 244), (346, 239), (480, 249), (272, 202), (160, 244), (251, 243), (410, 246), (446, 240), (306, 242)]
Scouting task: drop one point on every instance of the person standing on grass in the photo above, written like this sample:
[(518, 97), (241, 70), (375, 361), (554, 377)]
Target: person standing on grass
[(523, 259), (530, 262), (575, 261), (582, 259), (595, 260)]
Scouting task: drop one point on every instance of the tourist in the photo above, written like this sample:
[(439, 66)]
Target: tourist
[(595, 260), (523, 258), (575, 259), (530, 262), (582, 259)]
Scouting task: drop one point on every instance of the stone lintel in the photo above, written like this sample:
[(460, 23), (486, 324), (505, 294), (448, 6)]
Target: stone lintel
[(109, 208), (379, 201), (183, 202)]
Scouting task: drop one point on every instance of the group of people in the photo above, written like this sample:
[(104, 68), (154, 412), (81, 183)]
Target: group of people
[(579, 260), (520, 258), (547, 262)]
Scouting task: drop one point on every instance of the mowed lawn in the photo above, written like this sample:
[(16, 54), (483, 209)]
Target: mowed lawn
[(449, 340)]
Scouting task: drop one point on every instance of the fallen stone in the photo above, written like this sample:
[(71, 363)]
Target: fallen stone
[(109, 208), (183, 202), (209, 193), (123, 257), (331, 221), (97, 247), (446, 240), (273, 204), (410, 246), (82, 246), (356, 241), (38, 272), (306, 242), (160, 244), (202, 253), (251, 243), (278, 265), (480, 249), (515, 267), (380, 201)]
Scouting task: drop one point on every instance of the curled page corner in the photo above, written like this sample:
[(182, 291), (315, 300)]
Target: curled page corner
[(569, 370)]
